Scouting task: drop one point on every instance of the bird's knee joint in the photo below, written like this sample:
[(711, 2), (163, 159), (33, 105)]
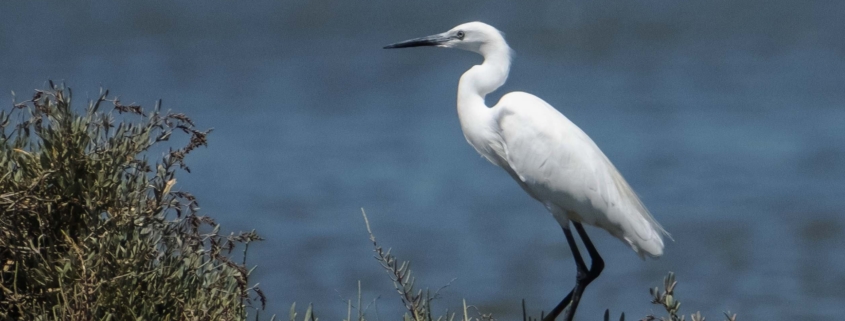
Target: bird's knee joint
[(583, 275), (597, 266)]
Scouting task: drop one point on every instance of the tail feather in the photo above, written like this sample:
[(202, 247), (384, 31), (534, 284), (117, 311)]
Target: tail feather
[(648, 233)]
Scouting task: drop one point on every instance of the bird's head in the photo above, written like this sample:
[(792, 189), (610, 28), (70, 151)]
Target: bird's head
[(475, 36)]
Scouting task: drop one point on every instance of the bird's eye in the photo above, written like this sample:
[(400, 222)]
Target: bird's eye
[(460, 35)]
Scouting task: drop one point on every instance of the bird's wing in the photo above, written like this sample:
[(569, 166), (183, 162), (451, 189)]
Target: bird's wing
[(562, 167)]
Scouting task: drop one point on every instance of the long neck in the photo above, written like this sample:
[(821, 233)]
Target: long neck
[(481, 80), (475, 117)]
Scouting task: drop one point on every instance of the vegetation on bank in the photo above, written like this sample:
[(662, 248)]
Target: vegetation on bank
[(91, 228), (418, 303)]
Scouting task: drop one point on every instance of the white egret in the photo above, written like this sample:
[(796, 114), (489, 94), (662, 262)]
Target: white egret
[(552, 159)]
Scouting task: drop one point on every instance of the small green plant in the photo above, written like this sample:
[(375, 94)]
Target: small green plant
[(309, 313), (667, 299), (91, 229), (417, 302)]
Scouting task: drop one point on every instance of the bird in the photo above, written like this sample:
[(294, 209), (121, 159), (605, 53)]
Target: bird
[(550, 157)]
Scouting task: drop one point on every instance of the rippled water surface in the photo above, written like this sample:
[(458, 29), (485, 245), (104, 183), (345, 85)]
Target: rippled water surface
[(727, 117)]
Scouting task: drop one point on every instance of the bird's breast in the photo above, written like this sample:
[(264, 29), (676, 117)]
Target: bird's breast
[(484, 138)]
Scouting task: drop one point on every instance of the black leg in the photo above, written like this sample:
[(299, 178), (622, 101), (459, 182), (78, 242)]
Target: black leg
[(583, 276), (596, 264), (579, 264)]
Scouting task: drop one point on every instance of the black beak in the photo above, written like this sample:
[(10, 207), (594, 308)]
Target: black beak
[(433, 40)]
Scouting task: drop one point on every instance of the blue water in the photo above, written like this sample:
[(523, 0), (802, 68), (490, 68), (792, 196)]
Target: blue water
[(727, 117)]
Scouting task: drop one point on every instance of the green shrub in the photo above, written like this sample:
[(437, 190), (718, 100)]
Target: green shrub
[(90, 229)]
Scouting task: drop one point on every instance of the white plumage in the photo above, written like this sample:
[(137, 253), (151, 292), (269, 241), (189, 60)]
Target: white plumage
[(552, 159), (548, 155), (560, 166)]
